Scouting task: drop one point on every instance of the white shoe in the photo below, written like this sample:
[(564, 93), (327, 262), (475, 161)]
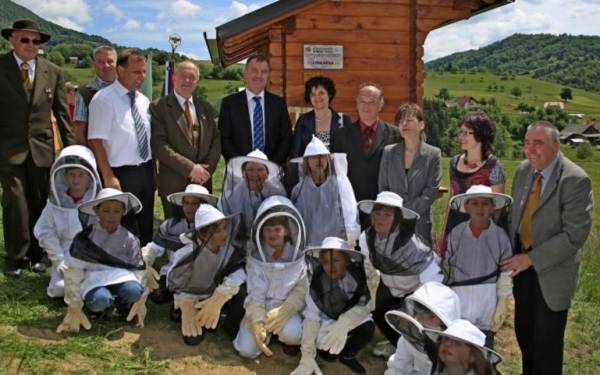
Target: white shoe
[(384, 349)]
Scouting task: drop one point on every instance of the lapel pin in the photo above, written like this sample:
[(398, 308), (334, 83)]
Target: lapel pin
[(48, 92)]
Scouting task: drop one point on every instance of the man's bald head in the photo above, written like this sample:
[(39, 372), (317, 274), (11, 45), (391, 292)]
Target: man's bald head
[(185, 78)]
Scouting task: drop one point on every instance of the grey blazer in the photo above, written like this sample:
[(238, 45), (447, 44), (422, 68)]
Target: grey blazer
[(420, 187), (561, 224)]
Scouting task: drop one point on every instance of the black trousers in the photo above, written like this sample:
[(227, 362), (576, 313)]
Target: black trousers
[(234, 312), (540, 331), (385, 302), (358, 338), (24, 193), (139, 180)]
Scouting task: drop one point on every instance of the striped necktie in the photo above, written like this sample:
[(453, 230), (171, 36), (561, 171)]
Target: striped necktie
[(140, 128), (257, 126)]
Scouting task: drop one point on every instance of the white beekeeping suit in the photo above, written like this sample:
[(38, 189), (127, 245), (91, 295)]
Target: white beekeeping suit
[(328, 209), (276, 284), (60, 220)]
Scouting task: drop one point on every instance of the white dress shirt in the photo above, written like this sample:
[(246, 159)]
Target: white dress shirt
[(31, 66), (181, 100), (110, 120)]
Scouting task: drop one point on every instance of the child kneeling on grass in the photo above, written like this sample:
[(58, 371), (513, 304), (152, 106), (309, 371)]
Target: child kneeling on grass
[(105, 265), (337, 318), (208, 276), (73, 180), (168, 235), (277, 280)]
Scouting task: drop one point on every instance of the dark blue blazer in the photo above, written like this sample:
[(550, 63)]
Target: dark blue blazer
[(305, 128)]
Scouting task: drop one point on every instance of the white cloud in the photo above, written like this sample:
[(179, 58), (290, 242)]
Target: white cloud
[(132, 24), (239, 9), (54, 9), (69, 24), (184, 9), (150, 26), (479, 32), (112, 9)]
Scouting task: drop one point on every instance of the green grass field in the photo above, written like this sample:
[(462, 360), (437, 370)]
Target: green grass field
[(535, 92), (28, 344)]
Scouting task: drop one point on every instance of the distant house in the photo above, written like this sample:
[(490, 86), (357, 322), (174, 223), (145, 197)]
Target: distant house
[(73, 60), (464, 102), (577, 134), (560, 105)]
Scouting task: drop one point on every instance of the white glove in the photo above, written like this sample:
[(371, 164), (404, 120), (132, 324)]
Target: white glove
[(259, 333), (74, 319), (189, 325), (61, 267), (138, 309), (307, 366), (337, 333), (500, 314)]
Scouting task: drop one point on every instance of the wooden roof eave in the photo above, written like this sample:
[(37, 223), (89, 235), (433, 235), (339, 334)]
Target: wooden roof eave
[(485, 6)]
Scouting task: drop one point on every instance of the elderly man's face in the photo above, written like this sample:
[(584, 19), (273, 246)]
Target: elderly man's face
[(132, 76), (186, 80), (25, 51), (256, 75), (105, 65), (369, 103), (540, 149), (255, 174)]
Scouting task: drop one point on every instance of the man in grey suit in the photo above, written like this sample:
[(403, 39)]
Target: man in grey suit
[(32, 89), (550, 221)]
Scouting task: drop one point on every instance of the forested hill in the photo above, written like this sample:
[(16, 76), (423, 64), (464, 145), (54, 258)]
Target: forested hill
[(566, 59), (11, 11)]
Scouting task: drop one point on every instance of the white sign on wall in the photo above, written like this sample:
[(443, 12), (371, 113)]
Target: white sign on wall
[(318, 56)]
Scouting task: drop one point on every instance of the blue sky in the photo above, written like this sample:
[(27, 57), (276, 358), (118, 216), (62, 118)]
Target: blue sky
[(148, 23)]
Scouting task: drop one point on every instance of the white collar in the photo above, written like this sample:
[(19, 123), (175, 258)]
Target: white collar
[(181, 100), (19, 61), (547, 172), (121, 90), (250, 96)]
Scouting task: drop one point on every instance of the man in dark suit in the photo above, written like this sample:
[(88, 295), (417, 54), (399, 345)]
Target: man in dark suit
[(254, 118), (363, 142), (549, 223), (185, 139), (32, 89)]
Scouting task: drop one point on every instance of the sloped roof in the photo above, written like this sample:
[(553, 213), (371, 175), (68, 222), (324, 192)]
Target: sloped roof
[(230, 47)]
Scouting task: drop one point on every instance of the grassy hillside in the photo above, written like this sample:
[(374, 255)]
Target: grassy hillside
[(534, 92), (571, 60)]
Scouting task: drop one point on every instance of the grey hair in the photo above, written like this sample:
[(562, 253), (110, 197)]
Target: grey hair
[(550, 128), (184, 63), (101, 49)]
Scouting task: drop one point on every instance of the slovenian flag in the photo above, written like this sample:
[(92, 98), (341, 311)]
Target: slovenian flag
[(169, 68)]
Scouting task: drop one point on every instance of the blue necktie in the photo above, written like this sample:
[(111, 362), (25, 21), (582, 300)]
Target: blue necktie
[(140, 128), (257, 127)]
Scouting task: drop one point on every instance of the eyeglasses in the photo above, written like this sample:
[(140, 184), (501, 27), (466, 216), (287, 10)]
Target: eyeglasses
[(464, 133), (25, 40)]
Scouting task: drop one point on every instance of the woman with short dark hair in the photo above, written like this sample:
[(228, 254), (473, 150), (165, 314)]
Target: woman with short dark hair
[(319, 91)]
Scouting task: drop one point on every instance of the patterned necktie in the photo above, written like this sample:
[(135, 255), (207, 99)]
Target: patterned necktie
[(257, 127), (140, 128), (188, 117), (532, 202), (27, 84), (369, 137)]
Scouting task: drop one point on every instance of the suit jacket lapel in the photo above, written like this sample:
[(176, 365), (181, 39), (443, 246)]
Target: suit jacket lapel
[(245, 125), (380, 136), (551, 184), (178, 114), (418, 160), (403, 178), (40, 85), (268, 112), (13, 74), (201, 118)]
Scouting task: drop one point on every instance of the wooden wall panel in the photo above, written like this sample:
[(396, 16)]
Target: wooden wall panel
[(337, 22)]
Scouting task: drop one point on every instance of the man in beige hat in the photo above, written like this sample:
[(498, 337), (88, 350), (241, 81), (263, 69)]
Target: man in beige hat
[(33, 89)]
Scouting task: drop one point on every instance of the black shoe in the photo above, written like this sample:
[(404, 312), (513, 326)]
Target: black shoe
[(353, 364), (291, 350), (326, 356), (12, 271), (38, 267), (161, 296), (175, 314), (193, 340)]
